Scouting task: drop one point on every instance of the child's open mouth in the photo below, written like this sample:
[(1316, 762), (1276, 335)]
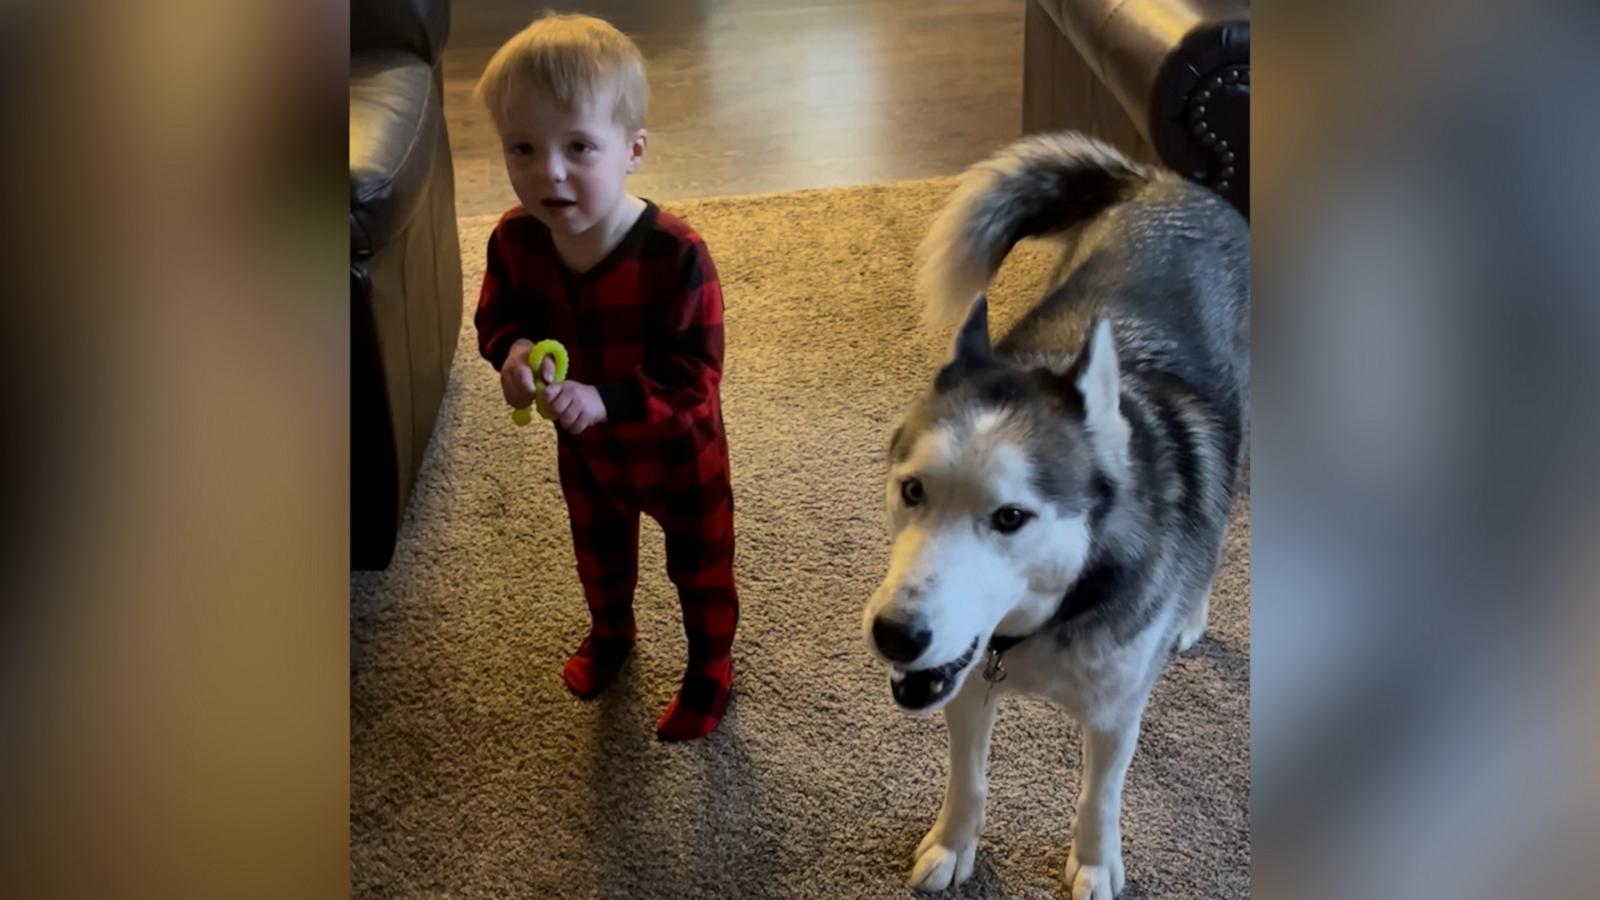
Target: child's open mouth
[(557, 204)]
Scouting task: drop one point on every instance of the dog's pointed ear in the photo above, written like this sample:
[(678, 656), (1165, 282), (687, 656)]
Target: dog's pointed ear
[(1094, 376), (972, 342), (973, 352), (897, 450)]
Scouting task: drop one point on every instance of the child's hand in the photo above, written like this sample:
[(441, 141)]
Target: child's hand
[(577, 406), (516, 376), (547, 369)]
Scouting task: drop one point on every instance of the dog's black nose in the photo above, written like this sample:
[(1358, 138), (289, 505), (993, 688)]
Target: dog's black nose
[(900, 642)]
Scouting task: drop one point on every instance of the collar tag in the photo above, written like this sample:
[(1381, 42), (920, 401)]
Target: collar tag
[(993, 671)]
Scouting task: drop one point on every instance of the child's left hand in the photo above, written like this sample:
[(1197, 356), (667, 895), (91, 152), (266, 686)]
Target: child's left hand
[(577, 405)]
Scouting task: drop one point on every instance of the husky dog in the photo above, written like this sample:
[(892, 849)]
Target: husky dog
[(1058, 501)]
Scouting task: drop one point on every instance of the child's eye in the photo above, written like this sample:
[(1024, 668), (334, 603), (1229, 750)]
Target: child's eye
[(579, 148), (520, 149)]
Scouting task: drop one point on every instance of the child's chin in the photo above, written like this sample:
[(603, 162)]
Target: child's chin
[(565, 222)]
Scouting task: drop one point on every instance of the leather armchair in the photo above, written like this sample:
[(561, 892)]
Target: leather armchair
[(405, 261), (1167, 81)]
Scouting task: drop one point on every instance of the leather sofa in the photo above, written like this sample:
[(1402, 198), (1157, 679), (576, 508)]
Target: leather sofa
[(405, 261), (1167, 81)]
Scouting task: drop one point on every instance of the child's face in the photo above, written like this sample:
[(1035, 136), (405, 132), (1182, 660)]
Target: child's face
[(568, 166)]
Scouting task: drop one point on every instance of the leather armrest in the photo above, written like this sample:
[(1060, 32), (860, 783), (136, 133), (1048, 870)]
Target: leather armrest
[(1181, 71), (419, 27), (395, 119), (1128, 43)]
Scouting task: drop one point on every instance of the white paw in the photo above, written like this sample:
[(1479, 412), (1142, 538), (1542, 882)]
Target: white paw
[(938, 867), (1190, 633), (1101, 882)]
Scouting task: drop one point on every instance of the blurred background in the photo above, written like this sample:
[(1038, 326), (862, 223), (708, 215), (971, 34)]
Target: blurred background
[(1424, 509), (175, 565)]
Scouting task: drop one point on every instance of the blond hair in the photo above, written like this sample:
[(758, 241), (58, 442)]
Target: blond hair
[(568, 59)]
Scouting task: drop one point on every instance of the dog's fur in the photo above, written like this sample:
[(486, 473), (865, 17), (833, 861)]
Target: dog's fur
[(1071, 485)]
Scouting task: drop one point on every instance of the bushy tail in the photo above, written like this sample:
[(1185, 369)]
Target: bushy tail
[(1040, 185)]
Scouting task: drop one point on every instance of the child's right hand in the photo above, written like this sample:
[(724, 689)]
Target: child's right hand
[(516, 376)]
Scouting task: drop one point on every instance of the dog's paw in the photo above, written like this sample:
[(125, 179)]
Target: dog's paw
[(1192, 629), (938, 867), (1195, 624), (1189, 634), (1102, 882)]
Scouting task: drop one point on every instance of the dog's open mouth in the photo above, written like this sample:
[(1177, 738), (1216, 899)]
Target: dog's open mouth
[(921, 688)]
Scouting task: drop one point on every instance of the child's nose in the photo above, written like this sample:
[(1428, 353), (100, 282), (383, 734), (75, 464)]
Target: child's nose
[(554, 169)]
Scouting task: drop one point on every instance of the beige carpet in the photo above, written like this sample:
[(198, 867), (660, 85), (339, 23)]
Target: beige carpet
[(475, 774)]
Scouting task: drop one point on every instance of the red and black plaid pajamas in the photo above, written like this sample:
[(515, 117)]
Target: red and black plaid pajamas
[(644, 327)]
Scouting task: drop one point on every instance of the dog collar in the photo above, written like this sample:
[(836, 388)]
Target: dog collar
[(1000, 643), (1093, 586)]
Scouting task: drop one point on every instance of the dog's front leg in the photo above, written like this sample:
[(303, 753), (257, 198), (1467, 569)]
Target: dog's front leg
[(1094, 865), (946, 854)]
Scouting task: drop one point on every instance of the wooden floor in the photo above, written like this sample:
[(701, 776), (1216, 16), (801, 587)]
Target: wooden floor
[(769, 95)]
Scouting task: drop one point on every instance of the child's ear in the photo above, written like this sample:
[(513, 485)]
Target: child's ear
[(636, 149)]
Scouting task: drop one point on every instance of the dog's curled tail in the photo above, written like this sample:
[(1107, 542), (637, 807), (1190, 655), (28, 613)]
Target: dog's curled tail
[(1040, 185)]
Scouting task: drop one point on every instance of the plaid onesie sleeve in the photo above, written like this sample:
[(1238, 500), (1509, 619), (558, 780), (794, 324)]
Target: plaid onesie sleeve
[(506, 311), (683, 375)]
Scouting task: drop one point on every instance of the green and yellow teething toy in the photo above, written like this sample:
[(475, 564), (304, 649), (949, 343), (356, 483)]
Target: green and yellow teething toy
[(535, 359)]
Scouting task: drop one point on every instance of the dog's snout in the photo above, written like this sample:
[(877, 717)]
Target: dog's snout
[(900, 642)]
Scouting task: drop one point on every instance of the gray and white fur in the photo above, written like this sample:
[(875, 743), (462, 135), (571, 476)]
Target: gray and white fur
[(1058, 500)]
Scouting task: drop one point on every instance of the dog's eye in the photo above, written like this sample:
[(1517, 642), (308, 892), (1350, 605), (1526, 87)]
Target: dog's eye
[(1007, 519), (911, 491)]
